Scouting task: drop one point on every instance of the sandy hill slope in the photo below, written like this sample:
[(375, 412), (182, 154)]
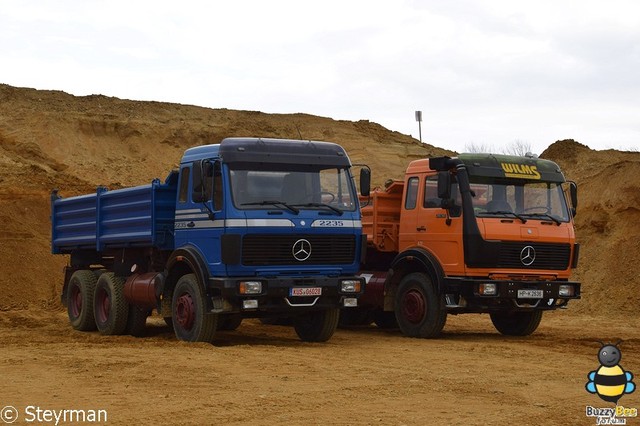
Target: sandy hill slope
[(49, 139), (608, 224)]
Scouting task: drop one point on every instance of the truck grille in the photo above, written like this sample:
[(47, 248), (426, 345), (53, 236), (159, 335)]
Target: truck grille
[(547, 256), (262, 250)]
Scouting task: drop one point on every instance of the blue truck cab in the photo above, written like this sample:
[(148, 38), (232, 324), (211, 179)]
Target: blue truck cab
[(250, 227)]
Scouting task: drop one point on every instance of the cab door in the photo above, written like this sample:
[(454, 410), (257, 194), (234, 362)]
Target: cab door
[(439, 230), (409, 213), (200, 215)]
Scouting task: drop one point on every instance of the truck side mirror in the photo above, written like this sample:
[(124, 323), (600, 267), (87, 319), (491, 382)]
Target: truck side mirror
[(365, 181), (197, 189), (444, 185), (573, 192)]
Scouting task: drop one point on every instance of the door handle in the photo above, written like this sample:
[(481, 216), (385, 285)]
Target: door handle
[(421, 228), (191, 224)]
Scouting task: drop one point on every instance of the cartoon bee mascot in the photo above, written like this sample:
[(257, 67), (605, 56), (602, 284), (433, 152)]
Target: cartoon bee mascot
[(610, 381)]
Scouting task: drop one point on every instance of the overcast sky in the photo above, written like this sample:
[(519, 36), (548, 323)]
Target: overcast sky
[(483, 73)]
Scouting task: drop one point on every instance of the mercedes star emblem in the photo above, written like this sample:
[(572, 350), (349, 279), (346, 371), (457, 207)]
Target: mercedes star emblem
[(301, 250), (527, 255)]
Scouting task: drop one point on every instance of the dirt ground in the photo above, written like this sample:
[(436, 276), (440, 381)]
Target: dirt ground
[(264, 374)]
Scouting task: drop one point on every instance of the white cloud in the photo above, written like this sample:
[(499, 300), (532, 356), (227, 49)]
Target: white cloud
[(481, 71)]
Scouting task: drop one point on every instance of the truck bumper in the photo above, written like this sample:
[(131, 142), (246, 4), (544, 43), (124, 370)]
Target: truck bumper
[(283, 295), (485, 295)]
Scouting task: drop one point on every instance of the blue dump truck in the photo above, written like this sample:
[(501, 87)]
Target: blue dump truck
[(248, 228)]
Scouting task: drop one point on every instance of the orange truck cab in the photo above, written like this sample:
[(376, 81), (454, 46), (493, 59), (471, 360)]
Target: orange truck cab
[(479, 233)]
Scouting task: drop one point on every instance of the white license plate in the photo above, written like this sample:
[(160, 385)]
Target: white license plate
[(530, 294), (305, 291)]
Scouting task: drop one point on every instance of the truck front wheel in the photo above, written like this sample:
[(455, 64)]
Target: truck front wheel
[(420, 311), (81, 288), (317, 326), (516, 323), (110, 307), (191, 322)]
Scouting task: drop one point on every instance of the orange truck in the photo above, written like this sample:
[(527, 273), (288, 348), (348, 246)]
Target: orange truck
[(479, 233)]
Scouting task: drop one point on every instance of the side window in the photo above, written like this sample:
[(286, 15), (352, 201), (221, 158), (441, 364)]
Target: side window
[(184, 185), (431, 199), (412, 194)]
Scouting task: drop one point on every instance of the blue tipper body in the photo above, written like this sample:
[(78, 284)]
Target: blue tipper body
[(142, 216)]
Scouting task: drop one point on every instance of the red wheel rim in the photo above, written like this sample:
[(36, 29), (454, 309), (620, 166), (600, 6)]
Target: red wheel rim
[(414, 306), (103, 306), (75, 301), (185, 311)]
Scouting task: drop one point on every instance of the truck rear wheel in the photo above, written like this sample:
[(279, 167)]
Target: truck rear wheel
[(317, 326), (191, 322), (109, 304), (516, 323), (80, 291), (420, 310)]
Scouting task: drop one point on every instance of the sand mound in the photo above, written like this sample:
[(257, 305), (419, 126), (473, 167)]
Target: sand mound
[(49, 139), (607, 224)]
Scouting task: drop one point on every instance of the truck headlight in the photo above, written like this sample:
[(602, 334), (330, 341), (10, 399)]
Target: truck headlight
[(488, 289), (250, 287), (350, 286), (566, 290)]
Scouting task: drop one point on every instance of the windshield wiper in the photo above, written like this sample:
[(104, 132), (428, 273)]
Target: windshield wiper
[(273, 203), (522, 219), (553, 218), (338, 211)]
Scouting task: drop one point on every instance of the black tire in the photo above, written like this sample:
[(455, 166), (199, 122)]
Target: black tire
[(80, 291), (191, 322), (110, 307), (351, 317), (385, 319), (317, 326), (137, 321), (420, 310), (516, 323), (229, 322)]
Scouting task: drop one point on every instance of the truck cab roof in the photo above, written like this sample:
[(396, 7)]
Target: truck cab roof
[(497, 166), (266, 150)]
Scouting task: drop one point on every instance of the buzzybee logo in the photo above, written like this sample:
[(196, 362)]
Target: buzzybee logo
[(610, 382)]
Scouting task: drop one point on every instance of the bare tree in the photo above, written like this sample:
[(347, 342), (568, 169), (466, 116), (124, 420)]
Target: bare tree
[(478, 147), (517, 147)]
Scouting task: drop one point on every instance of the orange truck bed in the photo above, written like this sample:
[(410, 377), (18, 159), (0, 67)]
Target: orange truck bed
[(381, 216)]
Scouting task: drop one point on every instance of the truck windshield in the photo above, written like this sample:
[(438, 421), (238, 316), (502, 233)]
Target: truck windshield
[(292, 188), (519, 198)]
